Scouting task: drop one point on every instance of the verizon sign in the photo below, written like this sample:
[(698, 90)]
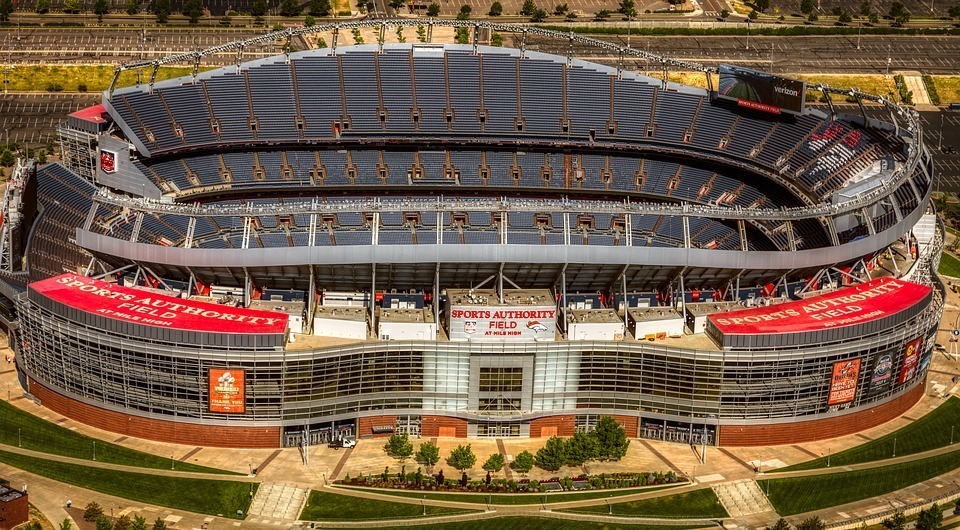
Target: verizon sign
[(503, 323), (845, 307), (150, 309)]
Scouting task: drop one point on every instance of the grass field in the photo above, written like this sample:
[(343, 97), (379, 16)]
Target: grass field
[(700, 503), (803, 494), (949, 265), (213, 497), (323, 506), (929, 432), (518, 498), (948, 87), (537, 523), (20, 428), (35, 78)]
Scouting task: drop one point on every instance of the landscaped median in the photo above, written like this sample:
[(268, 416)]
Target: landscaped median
[(206, 496), (325, 506), (697, 504), (517, 499), (795, 495), (936, 429), (21, 429)]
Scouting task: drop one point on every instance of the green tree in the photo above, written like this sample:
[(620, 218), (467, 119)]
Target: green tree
[(553, 455), (781, 524), (399, 446), (865, 8), (611, 438), (724, 13), (103, 523), (627, 8), (100, 8), (318, 8), (496, 9), (397, 5), (495, 463), (139, 523), (930, 519), (899, 13), (874, 18), (259, 8), (954, 11), (561, 9), (6, 7), (123, 523), (64, 524), (92, 512), (523, 462), (581, 448), (428, 454), (539, 15), (806, 6), (191, 10), (762, 5), (813, 17), (309, 21), (290, 8), (753, 15), (812, 523), (466, 10), (897, 521), (159, 524), (845, 18), (462, 457), (433, 9), (161, 9), (133, 7), (603, 14), (42, 7), (463, 35), (496, 39), (528, 8)]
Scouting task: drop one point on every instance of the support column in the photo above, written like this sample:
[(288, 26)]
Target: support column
[(311, 301), (373, 292)]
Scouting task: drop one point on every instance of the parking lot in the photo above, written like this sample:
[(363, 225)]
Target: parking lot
[(31, 119)]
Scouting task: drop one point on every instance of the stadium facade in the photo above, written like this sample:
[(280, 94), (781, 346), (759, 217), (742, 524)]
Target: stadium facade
[(461, 240)]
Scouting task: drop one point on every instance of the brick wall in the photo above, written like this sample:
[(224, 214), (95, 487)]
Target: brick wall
[(430, 426), (154, 429), (368, 423), (16, 512), (808, 431), (544, 427)]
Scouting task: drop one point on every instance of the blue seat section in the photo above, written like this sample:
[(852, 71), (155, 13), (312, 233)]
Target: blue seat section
[(541, 95), (464, 96), (194, 121), (431, 85), (64, 200), (360, 87), (500, 93), (397, 90), (588, 101), (271, 92), (148, 117), (631, 107), (228, 97), (674, 115), (320, 99)]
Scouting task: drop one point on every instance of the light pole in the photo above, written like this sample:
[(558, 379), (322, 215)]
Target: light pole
[(894, 447), (940, 137), (951, 435), (94, 451), (19, 440), (859, 29), (748, 33), (171, 461)]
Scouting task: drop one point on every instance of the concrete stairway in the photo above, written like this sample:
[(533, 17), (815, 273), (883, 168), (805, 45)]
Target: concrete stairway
[(278, 501), (742, 497)]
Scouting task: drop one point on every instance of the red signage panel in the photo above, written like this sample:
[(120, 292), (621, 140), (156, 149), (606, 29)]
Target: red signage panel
[(844, 307), (910, 359), (227, 390), (843, 385), (158, 310)]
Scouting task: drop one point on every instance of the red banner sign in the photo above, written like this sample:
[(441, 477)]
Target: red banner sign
[(227, 391), (158, 310), (911, 356), (843, 385), (845, 307)]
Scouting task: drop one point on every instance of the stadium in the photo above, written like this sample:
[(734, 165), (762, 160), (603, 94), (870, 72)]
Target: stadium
[(465, 240)]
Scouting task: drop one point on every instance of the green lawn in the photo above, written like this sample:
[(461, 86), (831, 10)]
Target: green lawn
[(323, 506), (213, 497), (702, 503), (949, 265), (928, 432), (803, 494), (537, 523), (519, 498), (20, 428)]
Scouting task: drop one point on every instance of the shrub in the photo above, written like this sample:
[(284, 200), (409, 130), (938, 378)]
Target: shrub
[(92, 512)]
